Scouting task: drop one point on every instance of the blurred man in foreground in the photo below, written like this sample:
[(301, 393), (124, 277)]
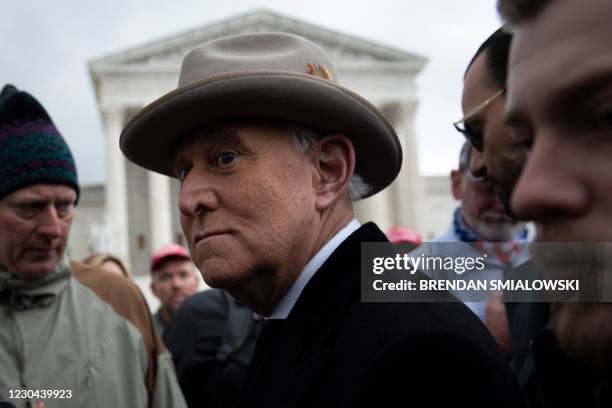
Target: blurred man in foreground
[(558, 107)]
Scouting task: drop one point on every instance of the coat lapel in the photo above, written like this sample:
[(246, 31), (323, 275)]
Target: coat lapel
[(292, 355)]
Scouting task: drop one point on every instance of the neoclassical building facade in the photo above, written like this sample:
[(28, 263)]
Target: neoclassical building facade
[(139, 212)]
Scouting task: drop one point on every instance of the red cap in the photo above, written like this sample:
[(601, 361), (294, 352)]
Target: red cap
[(397, 235), (168, 251)]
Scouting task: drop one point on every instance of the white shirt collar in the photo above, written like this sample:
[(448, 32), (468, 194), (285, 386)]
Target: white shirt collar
[(283, 309)]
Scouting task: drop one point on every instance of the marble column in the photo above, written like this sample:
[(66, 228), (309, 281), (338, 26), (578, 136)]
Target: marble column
[(115, 190), (376, 208), (408, 199), (160, 215)]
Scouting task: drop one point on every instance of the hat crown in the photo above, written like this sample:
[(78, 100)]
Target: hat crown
[(8, 91), (32, 150), (256, 52), (168, 251), (269, 76)]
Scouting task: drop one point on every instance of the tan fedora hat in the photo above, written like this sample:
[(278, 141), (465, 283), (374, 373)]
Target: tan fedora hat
[(262, 76)]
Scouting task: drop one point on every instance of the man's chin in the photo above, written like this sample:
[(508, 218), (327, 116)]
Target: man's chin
[(584, 332), (35, 270), (497, 233)]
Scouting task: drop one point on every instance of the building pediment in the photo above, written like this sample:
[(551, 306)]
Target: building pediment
[(167, 53)]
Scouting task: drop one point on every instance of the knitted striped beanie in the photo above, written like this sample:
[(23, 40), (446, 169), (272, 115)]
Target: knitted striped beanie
[(32, 150)]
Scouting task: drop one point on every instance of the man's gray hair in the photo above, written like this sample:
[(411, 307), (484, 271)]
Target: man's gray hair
[(304, 138)]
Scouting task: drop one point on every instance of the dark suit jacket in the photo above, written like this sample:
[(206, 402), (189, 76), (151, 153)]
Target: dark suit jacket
[(333, 350), (209, 372)]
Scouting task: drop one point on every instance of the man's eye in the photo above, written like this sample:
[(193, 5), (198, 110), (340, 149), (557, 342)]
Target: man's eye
[(183, 171), (224, 158), (521, 136), (28, 210), (473, 134), (63, 209)]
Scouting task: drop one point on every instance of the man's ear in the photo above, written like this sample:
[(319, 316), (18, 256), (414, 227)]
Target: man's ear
[(334, 161), (456, 178)]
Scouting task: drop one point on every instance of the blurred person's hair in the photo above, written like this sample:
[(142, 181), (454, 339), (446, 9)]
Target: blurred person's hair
[(497, 48), (519, 11), (99, 258)]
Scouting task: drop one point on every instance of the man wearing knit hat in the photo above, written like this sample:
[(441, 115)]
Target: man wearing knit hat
[(271, 153), (70, 336)]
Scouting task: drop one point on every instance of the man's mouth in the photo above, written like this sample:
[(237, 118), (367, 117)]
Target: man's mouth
[(209, 234), (40, 253), (490, 218)]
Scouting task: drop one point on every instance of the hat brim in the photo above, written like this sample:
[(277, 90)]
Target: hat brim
[(151, 137)]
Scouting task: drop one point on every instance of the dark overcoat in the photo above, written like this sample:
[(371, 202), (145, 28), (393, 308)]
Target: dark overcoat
[(335, 351)]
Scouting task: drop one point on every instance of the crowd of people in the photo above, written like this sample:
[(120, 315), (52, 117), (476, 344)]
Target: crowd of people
[(271, 153)]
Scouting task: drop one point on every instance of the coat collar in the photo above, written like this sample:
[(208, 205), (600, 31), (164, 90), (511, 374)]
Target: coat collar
[(298, 349), (339, 277), (283, 309), (21, 295)]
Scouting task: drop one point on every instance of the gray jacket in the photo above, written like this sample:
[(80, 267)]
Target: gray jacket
[(84, 335)]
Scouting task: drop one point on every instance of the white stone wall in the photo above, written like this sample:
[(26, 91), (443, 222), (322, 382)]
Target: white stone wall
[(89, 213), (439, 204)]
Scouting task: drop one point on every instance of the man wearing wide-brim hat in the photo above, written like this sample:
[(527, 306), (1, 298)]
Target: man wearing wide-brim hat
[(271, 152)]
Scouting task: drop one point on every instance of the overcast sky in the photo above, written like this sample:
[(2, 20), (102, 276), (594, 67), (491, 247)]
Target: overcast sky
[(46, 47)]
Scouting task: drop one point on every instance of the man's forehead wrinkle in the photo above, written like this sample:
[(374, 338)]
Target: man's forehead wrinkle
[(48, 195), (592, 80)]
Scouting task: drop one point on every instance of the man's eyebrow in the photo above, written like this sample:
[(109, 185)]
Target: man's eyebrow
[(473, 121), (591, 83), (34, 200), (213, 135), (224, 135), (26, 200), (595, 82)]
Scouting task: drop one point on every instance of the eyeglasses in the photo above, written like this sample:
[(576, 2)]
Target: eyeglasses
[(475, 138)]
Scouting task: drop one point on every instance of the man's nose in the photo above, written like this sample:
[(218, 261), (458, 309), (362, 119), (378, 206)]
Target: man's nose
[(49, 223), (549, 186), (177, 281), (196, 195)]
